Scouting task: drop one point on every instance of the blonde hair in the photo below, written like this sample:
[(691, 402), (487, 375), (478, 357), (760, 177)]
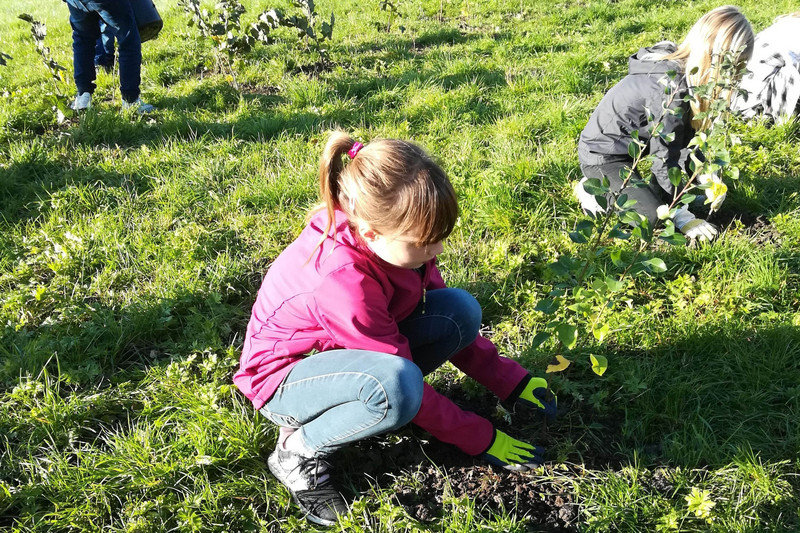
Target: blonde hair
[(391, 185), (719, 33)]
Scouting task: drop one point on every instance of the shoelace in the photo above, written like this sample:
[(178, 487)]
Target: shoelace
[(316, 470)]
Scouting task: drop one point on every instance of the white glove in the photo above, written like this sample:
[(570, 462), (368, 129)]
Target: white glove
[(588, 201), (715, 193), (694, 228)]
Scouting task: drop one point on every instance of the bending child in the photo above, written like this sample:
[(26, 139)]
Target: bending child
[(359, 289), (603, 144), (772, 83)]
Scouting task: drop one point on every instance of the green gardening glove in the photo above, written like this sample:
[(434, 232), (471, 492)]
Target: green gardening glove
[(512, 454), (537, 396)]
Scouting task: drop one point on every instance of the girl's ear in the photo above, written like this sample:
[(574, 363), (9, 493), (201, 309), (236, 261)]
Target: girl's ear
[(367, 233)]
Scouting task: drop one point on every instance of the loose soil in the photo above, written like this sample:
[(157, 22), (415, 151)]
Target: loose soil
[(756, 227), (426, 474)]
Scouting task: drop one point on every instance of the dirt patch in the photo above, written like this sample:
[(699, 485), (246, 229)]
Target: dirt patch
[(755, 227), (428, 476), (262, 90)]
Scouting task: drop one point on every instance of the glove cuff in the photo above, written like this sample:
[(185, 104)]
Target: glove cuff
[(491, 442), (512, 398), (682, 217)]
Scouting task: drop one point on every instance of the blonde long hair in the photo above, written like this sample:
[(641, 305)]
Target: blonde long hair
[(393, 186), (721, 32)]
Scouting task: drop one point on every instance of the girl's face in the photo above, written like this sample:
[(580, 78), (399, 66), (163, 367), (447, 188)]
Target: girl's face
[(401, 251)]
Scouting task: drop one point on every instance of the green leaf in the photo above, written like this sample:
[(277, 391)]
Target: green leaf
[(539, 339), (632, 218), (599, 364), (676, 239), (675, 176), (617, 233), (623, 202), (581, 308), (686, 199), (634, 150), (600, 332), (599, 285), (577, 237), (594, 187), (616, 258), (655, 264), (613, 284), (567, 334), (559, 268), (547, 306)]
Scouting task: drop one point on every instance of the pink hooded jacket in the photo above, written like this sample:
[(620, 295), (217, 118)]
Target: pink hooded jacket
[(347, 297)]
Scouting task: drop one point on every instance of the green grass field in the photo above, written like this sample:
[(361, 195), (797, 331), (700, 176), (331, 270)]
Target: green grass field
[(131, 250)]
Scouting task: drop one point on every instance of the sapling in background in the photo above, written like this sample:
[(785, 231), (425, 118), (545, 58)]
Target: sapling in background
[(595, 279), (309, 26), (224, 27), (390, 7), (59, 97)]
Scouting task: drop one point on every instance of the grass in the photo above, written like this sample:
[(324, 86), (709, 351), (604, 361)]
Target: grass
[(131, 250)]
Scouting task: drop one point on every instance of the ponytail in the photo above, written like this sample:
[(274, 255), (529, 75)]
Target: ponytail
[(330, 170)]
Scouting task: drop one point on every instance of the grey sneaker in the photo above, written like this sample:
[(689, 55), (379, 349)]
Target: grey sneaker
[(82, 102), (308, 480), (138, 106)]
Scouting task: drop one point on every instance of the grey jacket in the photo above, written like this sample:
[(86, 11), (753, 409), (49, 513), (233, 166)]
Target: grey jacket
[(623, 110)]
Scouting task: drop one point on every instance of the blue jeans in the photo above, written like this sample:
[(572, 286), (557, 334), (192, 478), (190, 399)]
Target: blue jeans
[(85, 17), (342, 396)]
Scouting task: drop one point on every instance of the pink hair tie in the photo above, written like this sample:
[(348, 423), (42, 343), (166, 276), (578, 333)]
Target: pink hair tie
[(352, 152)]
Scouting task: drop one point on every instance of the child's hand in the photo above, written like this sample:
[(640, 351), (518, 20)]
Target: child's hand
[(536, 395), (513, 454), (694, 228)]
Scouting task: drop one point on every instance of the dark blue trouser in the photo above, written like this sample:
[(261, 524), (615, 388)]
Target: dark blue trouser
[(105, 50), (85, 17)]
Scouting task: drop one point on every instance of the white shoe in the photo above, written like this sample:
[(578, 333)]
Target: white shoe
[(308, 480), (138, 106), (82, 102)]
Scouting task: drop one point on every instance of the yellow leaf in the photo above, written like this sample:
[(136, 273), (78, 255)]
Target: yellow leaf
[(561, 363)]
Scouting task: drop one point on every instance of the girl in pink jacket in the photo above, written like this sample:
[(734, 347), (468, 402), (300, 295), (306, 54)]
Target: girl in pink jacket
[(353, 314)]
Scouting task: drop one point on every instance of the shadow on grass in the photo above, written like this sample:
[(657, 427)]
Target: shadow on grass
[(29, 185), (260, 114), (90, 343)]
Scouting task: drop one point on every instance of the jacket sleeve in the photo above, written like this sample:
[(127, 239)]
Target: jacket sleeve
[(668, 154), (353, 309)]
